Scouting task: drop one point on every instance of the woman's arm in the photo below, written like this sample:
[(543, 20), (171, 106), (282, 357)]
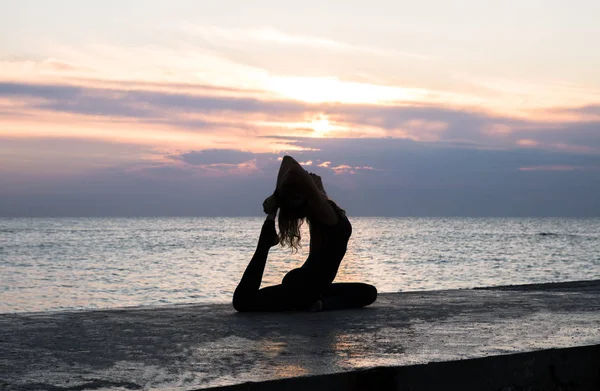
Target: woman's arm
[(270, 204), (318, 204), (318, 182)]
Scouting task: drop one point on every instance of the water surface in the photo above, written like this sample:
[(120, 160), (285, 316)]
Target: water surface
[(58, 263)]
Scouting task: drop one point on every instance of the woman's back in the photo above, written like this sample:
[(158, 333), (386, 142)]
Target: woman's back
[(328, 244)]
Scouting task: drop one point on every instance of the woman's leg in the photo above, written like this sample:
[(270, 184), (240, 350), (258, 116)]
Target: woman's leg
[(247, 295), (344, 295), (302, 288)]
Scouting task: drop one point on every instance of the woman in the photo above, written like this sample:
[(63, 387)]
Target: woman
[(300, 196)]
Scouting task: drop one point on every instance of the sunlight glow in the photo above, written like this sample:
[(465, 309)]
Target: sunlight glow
[(320, 126), (322, 89)]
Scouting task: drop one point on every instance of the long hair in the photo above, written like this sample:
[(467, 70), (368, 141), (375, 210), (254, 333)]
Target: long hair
[(291, 217), (289, 230)]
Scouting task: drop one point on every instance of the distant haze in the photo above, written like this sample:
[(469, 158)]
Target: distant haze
[(153, 108)]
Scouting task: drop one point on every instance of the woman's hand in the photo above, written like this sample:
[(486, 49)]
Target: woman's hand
[(270, 204), (318, 181), (316, 178)]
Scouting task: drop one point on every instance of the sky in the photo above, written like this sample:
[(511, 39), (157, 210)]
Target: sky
[(185, 108)]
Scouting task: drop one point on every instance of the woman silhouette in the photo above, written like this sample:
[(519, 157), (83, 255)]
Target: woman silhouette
[(300, 196)]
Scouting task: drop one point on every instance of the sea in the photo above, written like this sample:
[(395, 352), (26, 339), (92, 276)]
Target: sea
[(53, 264)]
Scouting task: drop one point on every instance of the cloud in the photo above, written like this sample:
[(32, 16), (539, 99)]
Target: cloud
[(366, 176), (527, 142), (48, 66), (346, 169), (228, 162), (215, 156), (435, 164), (55, 92), (522, 92), (269, 35), (214, 115), (592, 109), (80, 100)]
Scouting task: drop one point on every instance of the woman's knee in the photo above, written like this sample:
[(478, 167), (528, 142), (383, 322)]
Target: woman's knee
[(295, 278), (369, 294), (301, 289), (241, 303), (366, 294)]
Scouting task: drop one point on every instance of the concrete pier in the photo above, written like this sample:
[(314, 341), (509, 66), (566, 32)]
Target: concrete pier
[(536, 336)]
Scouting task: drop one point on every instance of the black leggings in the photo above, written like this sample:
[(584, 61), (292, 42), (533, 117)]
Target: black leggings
[(298, 290)]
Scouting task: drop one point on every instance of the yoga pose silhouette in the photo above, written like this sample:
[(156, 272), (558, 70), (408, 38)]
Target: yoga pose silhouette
[(300, 196)]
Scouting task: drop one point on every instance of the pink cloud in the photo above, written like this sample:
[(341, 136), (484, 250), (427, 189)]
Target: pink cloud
[(422, 130), (497, 129), (224, 169), (62, 66), (197, 117), (562, 147), (527, 142), (344, 168)]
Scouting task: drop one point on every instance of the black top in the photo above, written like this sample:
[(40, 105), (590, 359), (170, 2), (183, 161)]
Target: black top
[(328, 244)]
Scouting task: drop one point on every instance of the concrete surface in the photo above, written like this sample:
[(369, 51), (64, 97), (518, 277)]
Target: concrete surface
[(199, 346), (566, 369)]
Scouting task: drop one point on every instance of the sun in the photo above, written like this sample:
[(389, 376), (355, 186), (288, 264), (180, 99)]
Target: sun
[(320, 126)]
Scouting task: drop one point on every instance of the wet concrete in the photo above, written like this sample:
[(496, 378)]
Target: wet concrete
[(566, 369), (201, 346)]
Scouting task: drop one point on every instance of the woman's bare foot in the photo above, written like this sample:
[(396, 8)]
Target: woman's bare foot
[(269, 225), (317, 306)]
